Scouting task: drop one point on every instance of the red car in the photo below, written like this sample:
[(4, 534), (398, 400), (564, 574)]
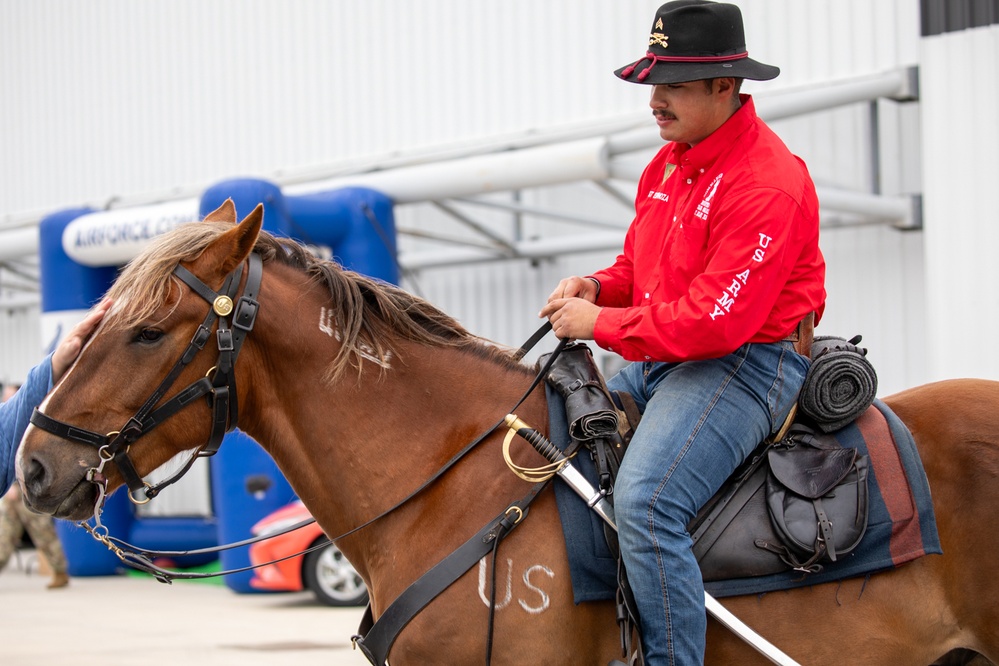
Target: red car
[(326, 572)]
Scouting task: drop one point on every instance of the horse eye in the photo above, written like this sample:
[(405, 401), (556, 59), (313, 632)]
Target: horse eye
[(149, 335)]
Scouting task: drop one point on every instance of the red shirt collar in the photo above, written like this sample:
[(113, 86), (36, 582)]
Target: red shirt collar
[(705, 153)]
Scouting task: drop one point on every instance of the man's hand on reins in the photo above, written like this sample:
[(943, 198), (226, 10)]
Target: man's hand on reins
[(586, 288), (571, 309)]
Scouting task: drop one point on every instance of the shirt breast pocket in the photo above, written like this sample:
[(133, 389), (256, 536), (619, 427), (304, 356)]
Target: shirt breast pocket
[(689, 246)]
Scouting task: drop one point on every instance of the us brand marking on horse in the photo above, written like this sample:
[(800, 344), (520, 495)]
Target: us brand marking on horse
[(326, 323), (540, 606), (326, 326)]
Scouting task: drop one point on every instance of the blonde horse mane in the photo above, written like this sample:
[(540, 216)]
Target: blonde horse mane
[(367, 311)]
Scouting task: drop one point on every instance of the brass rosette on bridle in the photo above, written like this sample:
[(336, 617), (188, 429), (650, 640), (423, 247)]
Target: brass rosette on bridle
[(222, 306)]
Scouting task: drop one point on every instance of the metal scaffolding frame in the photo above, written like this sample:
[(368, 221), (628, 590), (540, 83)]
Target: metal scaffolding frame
[(453, 180)]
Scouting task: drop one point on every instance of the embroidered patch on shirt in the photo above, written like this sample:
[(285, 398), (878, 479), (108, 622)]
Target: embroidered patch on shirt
[(704, 207), (668, 171)]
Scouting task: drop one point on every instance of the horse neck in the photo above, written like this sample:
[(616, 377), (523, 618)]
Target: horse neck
[(353, 448)]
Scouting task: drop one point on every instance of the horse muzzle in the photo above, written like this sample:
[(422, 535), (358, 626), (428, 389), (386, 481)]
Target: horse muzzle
[(67, 496)]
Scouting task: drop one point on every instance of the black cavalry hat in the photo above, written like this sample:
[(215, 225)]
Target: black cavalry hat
[(693, 40)]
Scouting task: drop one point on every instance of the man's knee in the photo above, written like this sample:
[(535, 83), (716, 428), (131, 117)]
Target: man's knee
[(631, 503)]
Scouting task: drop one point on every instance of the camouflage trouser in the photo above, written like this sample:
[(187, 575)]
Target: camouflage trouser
[(15, 519)]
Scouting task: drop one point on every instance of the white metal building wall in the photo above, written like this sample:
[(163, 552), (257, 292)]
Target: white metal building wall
[(20, 343), (113, 98), (961, 144)]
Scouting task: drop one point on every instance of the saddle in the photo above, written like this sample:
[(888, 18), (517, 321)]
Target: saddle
[(799, 502)]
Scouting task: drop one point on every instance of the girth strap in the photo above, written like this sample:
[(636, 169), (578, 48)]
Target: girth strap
[(375, 638)]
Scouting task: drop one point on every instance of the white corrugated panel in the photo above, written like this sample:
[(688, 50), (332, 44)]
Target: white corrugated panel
[(116, 97), (961, 141), (20, 343)]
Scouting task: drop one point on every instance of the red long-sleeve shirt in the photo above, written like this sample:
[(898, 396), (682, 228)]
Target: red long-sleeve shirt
[(723, 250)]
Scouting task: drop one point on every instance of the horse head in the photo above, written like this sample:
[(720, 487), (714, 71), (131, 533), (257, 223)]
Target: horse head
[(105, 422)]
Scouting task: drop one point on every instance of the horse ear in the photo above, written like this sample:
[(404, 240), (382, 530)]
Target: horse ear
[(234, 246), (250, 226), (224, 213)]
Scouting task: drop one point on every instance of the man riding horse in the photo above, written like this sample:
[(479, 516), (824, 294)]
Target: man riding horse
[(720, 276)]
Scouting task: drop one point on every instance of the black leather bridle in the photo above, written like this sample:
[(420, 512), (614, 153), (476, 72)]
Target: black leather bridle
[(235, 321)]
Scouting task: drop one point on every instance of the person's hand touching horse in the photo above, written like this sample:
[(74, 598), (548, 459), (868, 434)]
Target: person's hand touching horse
[(70, 347)]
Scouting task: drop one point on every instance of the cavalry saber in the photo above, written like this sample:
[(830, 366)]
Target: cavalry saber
[(594, 499), (598, 501)]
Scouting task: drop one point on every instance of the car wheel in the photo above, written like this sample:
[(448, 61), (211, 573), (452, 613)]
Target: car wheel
[(333, 579)]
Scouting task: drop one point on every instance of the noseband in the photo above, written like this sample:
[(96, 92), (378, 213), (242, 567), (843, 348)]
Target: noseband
[(218, 386)]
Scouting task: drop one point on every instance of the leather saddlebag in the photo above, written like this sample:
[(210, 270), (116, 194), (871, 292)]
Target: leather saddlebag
[(796, 504), (817, 495)]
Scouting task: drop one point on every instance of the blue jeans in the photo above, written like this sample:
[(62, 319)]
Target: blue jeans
[(701, 420)]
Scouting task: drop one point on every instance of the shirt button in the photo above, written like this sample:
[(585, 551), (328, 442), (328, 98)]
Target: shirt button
[(646, 294), (648, 358), (702, 170), (689, 181)]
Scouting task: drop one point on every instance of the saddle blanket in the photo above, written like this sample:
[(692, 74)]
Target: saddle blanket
[(901, 525)]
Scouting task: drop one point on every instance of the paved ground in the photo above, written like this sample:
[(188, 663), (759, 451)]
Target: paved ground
[(123, 620)]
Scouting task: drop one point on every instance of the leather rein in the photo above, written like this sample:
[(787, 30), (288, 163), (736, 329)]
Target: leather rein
[(235, 320)]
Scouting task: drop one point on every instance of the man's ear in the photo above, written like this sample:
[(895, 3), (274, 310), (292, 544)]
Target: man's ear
[(725, 86)]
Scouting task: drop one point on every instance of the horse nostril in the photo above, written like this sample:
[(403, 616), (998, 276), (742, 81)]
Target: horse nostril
[(35, 476)]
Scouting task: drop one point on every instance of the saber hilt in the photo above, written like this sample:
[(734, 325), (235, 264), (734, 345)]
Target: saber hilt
[(540, 443), (595, 498)]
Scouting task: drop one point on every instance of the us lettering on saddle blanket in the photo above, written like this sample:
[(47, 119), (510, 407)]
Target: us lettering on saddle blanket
[(734, 537)]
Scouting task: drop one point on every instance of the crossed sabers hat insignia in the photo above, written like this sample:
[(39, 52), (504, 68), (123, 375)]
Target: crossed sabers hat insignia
[(658, 37)]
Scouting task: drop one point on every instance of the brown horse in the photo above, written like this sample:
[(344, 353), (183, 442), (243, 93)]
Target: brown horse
[(361, 392)]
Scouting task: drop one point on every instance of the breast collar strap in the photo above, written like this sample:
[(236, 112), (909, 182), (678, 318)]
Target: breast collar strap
[(218, 386)]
